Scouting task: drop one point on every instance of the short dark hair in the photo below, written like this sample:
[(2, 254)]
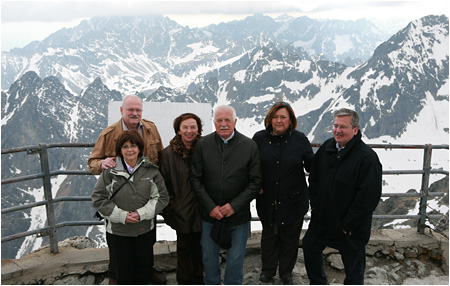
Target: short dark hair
[(134, 137), (275, 108), (184, 116)]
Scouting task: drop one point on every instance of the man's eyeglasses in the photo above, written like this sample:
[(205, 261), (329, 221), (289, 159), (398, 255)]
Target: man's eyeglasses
[(133, 110), (342, 127)]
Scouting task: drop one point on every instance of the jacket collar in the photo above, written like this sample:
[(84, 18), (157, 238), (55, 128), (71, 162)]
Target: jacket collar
[(121, 170), (355, 140), (269, 131), (231, 140)]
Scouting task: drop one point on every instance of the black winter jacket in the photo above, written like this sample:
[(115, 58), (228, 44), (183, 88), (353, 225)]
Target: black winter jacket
[(283, 160), (344, 190), (183, 212), (226, 173)]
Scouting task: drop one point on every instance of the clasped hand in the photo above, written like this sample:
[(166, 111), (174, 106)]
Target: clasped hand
[(133, 217), (219, 212)]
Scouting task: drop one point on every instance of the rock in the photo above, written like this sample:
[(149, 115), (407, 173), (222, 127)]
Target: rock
[(78, 242), (430, 280), (418, 268), (398, 256), (409, 253), (394, 278), (371, 250), (300, 270), (336, 261), (376, 276), (77, 280)]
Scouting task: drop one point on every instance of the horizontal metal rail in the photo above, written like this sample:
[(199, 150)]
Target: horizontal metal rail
[(43, 231), (48, 230)]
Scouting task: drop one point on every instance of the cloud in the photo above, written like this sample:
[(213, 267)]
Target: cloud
[(59, 11), (67, 11), (34, 20)]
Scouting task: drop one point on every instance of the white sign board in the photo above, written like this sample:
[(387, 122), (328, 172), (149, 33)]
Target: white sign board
[(163, 114)]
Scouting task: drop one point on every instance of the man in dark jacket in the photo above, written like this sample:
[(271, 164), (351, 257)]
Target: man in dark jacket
[(344, 190), (226, 177)]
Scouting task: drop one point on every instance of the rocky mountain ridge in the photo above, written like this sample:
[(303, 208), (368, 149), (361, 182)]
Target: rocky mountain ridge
[(404, 81)]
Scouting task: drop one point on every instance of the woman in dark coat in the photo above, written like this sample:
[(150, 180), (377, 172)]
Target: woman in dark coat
[(183, 211), (283, 200)]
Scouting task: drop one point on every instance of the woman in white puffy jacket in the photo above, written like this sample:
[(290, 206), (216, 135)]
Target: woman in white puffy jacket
[(129, 215)]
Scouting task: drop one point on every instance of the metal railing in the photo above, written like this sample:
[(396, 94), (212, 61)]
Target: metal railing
[(49, 201)]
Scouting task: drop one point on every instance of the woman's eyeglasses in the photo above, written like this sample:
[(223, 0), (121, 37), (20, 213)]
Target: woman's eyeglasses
[(132, 146)]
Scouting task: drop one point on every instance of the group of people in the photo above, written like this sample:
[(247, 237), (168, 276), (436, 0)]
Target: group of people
[(197, 183)]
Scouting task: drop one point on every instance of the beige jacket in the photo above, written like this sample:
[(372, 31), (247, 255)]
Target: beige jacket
[(106, 144)]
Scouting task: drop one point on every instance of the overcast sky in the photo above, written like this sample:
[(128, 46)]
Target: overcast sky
[(25, 21)]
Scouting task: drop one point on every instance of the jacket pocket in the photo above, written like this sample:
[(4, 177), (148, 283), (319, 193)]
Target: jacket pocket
[(152, 150)]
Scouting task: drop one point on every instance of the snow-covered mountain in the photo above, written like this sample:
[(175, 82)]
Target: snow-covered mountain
[(58, 90), (143, 53)]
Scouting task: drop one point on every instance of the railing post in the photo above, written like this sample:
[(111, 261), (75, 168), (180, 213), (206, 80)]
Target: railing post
[(45, 167), (424, 188)]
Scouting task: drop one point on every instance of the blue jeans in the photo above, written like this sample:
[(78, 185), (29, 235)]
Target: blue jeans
[(234, 270)]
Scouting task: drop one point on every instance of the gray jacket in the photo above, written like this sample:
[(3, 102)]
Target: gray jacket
[(145, 193)]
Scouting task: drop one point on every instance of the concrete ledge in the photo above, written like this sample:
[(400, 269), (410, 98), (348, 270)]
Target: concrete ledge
[(42, 267)]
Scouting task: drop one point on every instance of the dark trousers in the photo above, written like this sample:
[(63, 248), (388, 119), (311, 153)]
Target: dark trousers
[(279, 248), (112, 274), (131, 258), (354, 260), (189, 259)]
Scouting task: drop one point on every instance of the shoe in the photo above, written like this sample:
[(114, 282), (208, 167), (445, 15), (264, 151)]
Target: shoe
[(157, 279), (287, 280), (265, 278)]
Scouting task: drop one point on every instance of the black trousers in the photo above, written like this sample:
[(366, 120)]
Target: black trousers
[(131, 258), (279, 248), (354, 259), (189, 259)]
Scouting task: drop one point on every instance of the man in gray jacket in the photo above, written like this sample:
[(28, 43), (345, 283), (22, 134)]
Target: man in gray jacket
[(226, 177)]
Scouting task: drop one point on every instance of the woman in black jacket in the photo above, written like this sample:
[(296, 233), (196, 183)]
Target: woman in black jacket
[(283, 200)]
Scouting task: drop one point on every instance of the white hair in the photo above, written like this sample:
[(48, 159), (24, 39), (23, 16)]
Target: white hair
[(128, 96), (225, 107)]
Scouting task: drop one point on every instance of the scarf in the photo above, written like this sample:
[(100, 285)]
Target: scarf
[(177, 146)]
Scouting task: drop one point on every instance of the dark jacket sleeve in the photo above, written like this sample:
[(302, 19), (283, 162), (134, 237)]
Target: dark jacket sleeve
[(163, 198), (241, 201), (196, 177), (312, 180), (368, 193), (165, 172), (308, 156)]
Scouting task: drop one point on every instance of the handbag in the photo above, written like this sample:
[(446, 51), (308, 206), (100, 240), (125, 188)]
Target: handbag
[(97, 215), (221, 235)]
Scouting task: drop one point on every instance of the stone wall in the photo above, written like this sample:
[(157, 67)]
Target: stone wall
[(393, 257)]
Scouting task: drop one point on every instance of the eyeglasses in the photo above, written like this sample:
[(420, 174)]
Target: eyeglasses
[(342, 127), (282, 103), (133, 110), (126, 147)]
